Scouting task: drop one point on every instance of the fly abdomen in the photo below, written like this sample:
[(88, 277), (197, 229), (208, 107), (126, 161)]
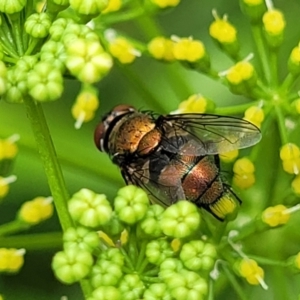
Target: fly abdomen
[(202, 183)]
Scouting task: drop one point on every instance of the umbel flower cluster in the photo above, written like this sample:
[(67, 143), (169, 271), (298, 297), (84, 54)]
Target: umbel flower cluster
[(127, 248)]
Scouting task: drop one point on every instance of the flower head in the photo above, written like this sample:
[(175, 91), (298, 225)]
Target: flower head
[(11, 260), (290, 156), (276, 215), (161, 48), (252, 272), (180, 219), (36, 210)]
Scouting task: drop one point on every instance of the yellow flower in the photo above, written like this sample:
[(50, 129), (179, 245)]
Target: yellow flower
[(254, 115), (250, 270), (8, 147), (85, 106), (11, 260), (290, 156), (243, 181), (187, 49), (165, 3), (4, 184), (36, 210), (113, 5), (243, 170), (195, 104), (243, 166), (161, 48), (223, 31), (229, 156), (274, 22), (123, 50), (241, 71), (276, 215)]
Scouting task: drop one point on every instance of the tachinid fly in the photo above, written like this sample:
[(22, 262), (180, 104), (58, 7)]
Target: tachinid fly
[(175, 157)]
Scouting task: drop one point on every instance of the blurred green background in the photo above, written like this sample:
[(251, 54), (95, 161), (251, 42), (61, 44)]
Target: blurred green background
[(84, 166)]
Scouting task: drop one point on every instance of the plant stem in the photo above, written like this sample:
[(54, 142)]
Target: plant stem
[(13, 227), (261, 52), (39, 241), (239, 290), (51, 165)]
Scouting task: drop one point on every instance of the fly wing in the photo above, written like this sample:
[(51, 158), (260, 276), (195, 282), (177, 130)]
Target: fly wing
[(163, 188), (205, 134)]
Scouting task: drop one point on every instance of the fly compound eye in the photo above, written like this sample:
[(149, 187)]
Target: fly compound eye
[(99, 135)]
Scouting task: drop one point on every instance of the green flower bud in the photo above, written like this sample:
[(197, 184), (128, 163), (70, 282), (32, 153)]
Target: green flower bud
[(197, 255), (157, 291), (45, 83), (105, 293), (274, 25), (225, 35), (131, 204), (37, 25), (158, 250), (150, 224), (54, 53), (169, 267), (81, 238), (78, 31), (131, 287), (72, 265), (88, 7), (3, 80), (180, 219), (58, 27), (113, 255), (87, 60), (241, 77), (105, 273), (254, 9), (16, 87), (90, 209), (12, 6), (26, 63), (187, 285)]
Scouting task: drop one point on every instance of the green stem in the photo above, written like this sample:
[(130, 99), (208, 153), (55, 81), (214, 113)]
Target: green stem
[(261, 51), (16, 29), (236, 286), (268, 261), (121, 17), (273, 58), (141, 256), (281, 125), (287, 83), (234, 110), (13, 227), (39, 241), (51, 165)]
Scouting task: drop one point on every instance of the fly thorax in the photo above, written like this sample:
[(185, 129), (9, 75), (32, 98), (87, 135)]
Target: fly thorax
[(131, 132), (149, 142)]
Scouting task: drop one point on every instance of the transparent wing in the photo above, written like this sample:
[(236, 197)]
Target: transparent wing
[(164, 191), (205, 134)]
